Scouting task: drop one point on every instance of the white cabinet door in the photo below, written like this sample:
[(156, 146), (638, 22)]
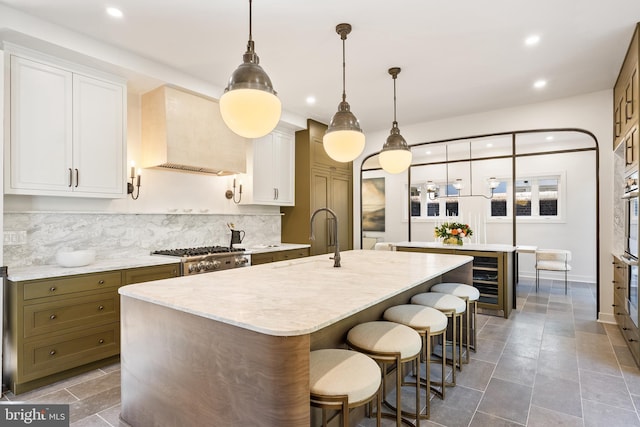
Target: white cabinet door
[(67, 132), (98, 152), (272, 170), (41, 128), (284, 162)]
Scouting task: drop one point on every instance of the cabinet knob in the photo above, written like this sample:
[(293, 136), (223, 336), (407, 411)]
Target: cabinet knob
[(618, 287), (100, 282), (52, 317), (100, 341), (625, 329), (52, 289), (632, 340), (101, 307), (52, 352)]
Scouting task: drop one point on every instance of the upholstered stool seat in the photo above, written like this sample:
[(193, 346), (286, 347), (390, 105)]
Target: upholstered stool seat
[(343, 379), (470, 295), (429, 323), (453, 307), (389, 343)]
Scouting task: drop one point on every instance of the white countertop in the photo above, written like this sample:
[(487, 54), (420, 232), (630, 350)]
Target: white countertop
[(466, 247), (33, 272), (259, 249), (300, 296)]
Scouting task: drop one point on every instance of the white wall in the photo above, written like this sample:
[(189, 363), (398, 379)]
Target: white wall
[(591, 112)]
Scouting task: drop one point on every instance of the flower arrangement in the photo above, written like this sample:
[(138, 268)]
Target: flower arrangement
[(453, 232)]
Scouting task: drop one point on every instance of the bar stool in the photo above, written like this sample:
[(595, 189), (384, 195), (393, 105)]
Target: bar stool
[(428, 323), (454, 308), (389, 343), (470, 295), (343, 379)]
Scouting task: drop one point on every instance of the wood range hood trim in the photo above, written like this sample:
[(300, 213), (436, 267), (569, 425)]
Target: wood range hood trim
[(184, 131)]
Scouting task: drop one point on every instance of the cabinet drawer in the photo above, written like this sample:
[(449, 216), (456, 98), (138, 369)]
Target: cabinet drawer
[(68, 285), (51, 355), (148, 274), (70, 312), (290, 254)]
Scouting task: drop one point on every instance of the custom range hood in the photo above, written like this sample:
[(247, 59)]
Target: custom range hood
[(183, 131)]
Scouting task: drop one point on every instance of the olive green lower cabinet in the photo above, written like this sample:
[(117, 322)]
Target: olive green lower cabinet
[(492, 276), (274, 256), (56, 328)]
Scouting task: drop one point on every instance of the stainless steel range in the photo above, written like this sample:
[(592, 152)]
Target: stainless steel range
[(207, 259)]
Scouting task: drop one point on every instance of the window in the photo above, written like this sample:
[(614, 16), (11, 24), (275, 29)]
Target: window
[(425, 204), (535, 197)]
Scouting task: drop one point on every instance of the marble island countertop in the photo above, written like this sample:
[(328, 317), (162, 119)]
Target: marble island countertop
[(492, 247), (300, 296)]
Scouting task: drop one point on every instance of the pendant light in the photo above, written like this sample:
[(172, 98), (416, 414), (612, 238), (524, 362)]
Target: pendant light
[(344, 140), (249, 106), (395, 156)]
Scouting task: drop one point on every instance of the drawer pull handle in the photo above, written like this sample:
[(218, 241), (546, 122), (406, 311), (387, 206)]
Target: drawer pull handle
[(52, 289), (632, 340), (101, 282), (625, 329), (52, 317), (100, 341), (101, 307), (52, 352)]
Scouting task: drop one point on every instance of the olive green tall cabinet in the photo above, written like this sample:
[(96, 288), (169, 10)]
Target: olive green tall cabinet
[(320, 182)]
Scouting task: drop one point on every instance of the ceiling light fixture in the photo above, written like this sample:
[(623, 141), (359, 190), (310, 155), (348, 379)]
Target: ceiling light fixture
[(249, 106), (532, 40), (395, 156), (344, 140), (539, 84), (311, 100), (114, 12)]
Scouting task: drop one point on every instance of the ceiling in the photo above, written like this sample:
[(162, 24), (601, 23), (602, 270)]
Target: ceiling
[(457, 57)]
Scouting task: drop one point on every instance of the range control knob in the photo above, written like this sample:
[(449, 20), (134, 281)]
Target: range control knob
[(215, 265), (193, 268), (208, 265), (241, 261)]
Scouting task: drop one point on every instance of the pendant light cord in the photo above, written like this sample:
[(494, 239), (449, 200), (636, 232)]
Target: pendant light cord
[(395, 122), (250, 35), (344, 65)]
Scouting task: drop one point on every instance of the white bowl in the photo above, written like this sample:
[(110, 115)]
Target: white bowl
[(75, 258)]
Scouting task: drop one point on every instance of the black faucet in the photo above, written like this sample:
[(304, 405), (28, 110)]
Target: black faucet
[(336, 254)]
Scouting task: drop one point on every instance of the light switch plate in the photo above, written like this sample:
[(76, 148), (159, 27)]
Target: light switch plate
[(15, 238)]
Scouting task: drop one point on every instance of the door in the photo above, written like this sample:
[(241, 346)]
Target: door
[(98, 149), (320, 184), (41, 127)]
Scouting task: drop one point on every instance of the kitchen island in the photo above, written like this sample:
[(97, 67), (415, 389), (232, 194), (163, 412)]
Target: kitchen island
[(494, 274), (232, 348)]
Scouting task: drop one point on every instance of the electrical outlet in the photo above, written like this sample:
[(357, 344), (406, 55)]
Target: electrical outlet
[(14, 238)]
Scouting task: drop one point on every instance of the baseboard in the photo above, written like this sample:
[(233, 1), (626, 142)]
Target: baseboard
[(607, 318)]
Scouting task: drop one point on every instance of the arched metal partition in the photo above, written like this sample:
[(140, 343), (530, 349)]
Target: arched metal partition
[(507, 156)]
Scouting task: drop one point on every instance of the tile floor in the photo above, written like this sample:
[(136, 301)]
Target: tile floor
[(549, 364)]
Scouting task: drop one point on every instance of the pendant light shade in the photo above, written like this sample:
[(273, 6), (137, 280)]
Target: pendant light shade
[(344, 140), (395, 156), (249, 106)]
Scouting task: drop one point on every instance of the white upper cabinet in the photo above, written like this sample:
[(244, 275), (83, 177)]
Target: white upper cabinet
[(270, 170), (67, 132)]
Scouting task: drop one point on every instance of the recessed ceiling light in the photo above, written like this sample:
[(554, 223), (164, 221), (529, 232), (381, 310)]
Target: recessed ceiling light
[(115, 12), (532, 40), (489, 144), (427, 152), (549, 138), (539, 84), (311, 99)]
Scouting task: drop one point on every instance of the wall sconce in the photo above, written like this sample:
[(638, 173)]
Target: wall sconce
[(231, 195), (130, 186), (432, 190)]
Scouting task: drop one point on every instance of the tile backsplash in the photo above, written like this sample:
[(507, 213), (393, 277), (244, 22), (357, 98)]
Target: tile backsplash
[(127, 235)]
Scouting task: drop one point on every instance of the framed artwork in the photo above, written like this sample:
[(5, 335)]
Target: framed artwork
[(373, 202)]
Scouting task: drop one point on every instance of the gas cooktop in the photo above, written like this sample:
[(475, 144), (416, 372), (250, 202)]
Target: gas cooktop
[(200, 251)]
